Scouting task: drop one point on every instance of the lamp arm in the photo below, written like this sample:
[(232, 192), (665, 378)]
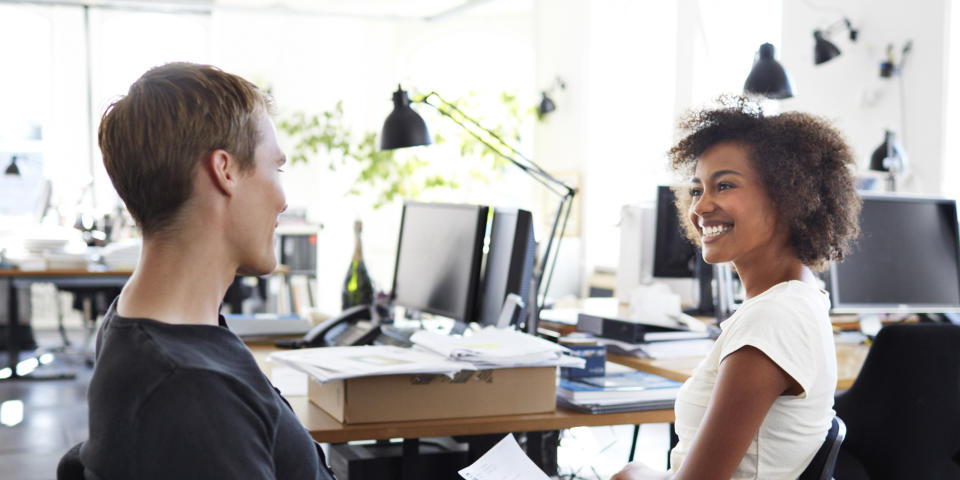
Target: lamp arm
[(566, 205), (535, 174), (530, 166), (558, 187)]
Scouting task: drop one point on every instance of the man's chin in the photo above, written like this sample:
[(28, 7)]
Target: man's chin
[(256, 270)]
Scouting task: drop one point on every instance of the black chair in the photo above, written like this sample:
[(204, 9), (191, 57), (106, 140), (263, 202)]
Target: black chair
[(903, 411), (823, 463), (70, 466)]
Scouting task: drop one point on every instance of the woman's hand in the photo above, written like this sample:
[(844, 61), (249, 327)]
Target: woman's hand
[(639, 471)]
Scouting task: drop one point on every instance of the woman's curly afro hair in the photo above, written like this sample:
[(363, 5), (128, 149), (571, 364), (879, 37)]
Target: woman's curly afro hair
[(806, 166)]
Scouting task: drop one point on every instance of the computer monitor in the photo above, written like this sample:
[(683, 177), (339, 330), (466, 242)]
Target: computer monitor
[(673, 254), (438, 259), (509, 263), (906, 260), (653, 248)]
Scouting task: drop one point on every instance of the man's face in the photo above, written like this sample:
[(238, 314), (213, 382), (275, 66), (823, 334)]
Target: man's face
[(258, 204)]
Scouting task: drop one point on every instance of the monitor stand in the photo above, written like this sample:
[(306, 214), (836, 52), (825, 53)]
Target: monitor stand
[(705, 306), (458, 328)]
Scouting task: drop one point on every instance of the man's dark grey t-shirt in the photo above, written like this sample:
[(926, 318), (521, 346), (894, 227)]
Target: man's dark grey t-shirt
[(188, 401)]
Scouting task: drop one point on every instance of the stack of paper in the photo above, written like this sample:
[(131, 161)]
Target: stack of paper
[(337, 363), (498, 348)]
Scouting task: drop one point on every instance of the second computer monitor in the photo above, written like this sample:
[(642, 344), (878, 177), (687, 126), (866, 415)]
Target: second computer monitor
[(673, 254), (906, 259), (509, 263), (438, 259)]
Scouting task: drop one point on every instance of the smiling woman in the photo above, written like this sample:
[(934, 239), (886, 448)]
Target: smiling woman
[(774, 196)]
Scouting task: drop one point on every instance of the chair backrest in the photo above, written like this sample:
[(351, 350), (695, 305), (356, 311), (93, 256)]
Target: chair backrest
[(823, 463), (903, 411), (70, 466)]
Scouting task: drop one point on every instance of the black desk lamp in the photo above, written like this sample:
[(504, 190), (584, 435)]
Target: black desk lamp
[(823, 49), (767, 77), (13, 169), (405, 128)]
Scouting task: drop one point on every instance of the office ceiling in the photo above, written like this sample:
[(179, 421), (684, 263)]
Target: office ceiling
[(412, 10)]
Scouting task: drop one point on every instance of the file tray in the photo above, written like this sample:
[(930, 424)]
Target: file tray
[(392, 398)]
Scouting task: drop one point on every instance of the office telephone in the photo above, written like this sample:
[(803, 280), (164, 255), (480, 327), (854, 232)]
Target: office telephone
[(353, 326)]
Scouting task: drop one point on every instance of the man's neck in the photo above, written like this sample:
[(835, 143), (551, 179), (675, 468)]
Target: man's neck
[(178, 281)]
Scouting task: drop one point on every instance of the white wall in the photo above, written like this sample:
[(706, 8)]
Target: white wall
[(849, 90)]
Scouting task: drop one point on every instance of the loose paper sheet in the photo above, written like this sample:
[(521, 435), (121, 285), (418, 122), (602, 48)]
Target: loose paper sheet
[(505, 461)]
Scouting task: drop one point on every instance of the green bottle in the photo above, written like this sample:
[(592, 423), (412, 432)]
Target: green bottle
[(357, 288)]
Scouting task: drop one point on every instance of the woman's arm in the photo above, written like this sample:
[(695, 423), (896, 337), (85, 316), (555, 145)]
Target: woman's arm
[(748, 383)]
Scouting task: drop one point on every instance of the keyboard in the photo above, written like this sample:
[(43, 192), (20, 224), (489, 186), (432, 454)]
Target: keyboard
[(264, 324), (390, 335)]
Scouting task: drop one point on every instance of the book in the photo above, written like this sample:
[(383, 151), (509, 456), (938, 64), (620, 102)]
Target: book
[(599, 408), (620, 387)]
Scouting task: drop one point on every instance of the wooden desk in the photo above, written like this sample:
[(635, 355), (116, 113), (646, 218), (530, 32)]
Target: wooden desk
[(850, 359), (61, 278), (325, 428)]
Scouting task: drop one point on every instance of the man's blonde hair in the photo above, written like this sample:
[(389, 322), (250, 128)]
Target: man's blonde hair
[(172, 118)]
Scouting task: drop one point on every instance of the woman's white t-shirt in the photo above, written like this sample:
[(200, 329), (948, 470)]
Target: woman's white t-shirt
[(790, 324)]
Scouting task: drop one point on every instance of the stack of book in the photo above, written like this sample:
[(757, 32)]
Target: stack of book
[(618, 391)]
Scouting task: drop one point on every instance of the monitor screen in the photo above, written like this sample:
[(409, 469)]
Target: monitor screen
[(438, 259), (906, 259), (509, 264), (673, 254)]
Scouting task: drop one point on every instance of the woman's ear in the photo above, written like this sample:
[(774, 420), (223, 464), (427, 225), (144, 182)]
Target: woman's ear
[(223, 170)]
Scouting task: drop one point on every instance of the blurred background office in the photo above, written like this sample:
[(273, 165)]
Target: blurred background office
[(616, 74), (590, 90)]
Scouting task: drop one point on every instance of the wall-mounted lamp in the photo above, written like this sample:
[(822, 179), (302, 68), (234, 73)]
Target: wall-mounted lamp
[(13, 169), (767, 77), (889, 66), (823, 49), (547, 104)]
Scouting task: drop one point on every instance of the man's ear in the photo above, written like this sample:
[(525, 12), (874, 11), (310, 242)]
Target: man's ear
[(223, 170)]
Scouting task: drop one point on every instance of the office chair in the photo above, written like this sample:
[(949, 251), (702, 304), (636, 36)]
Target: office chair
[(70, 466), (823, 463), (903, 410)]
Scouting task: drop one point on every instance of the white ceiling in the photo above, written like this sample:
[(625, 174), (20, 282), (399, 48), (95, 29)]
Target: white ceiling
[(415, 10)]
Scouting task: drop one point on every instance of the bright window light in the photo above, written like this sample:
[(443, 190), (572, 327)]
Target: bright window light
[(11, 412), (27, 366)]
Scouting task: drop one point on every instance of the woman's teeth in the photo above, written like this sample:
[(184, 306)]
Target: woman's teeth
[(713, 231)]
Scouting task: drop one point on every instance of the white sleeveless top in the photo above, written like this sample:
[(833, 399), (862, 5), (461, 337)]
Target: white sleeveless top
[(790, 324)]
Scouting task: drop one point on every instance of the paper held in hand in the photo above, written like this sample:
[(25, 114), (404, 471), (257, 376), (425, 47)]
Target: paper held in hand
[(504, 461)]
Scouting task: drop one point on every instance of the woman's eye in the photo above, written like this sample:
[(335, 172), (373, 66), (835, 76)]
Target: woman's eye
[(695, 192), (724, 186)]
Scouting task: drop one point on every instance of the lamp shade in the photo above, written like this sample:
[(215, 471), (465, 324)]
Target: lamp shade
[(888, 156), (823, 49), (767, 77), (546, 105), (12, 169), (404, 127)]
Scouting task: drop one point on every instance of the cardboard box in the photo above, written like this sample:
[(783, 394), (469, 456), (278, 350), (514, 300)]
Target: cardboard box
[(390, 398)]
